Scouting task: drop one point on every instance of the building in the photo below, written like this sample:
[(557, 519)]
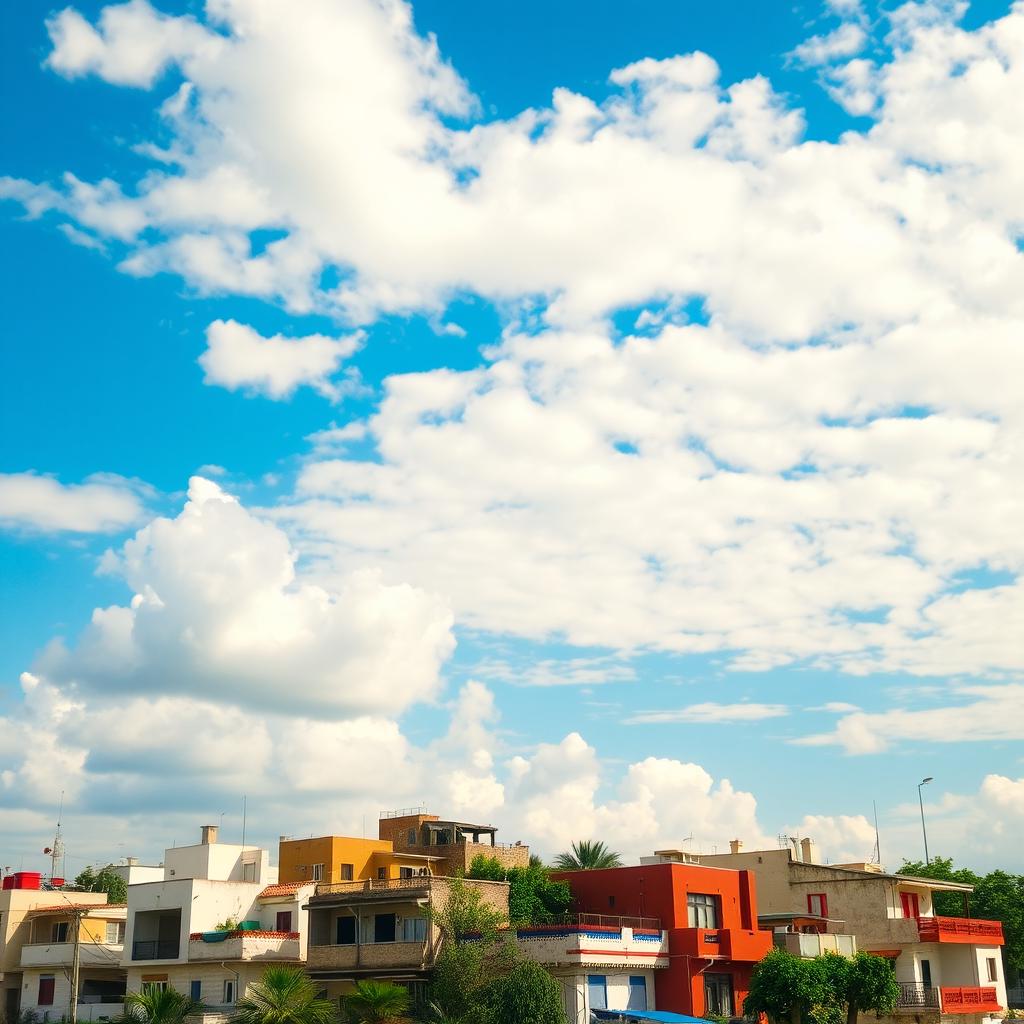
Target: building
[(602, 962), (133, 872), (808, 935), (948, 968), (21, 893), (214, 923), (343, 859), (454, 843), (710, 918), (379, 928), (47, 955)]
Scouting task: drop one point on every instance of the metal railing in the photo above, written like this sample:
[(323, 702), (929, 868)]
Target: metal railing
[(963, 999), (599, 921), (915, 994), (372, 885), (937, 929), (155, 949), (404, 812), (1015, 997)]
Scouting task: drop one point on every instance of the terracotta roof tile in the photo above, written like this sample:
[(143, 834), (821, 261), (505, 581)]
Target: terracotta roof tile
[(282, 889)]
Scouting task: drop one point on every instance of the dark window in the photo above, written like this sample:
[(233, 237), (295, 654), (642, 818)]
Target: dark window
[(284, 920), (597, 991), (382, 872), (195, 991), (702, 910), (926, 973), (346, 934), (637, 993), (229, 991), (383, 927), (406, 872), (718, 995), (411, 838), (60, 932), (46, 983)]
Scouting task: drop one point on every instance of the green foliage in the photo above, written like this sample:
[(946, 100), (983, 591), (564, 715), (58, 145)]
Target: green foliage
[(533, 897), (526, 993), (866, 982), (103, 880), (229, 924), (464, 912), (158, 1006), (377, 1002), (588, 855), (285, 995), (997, 896), (786, 988)]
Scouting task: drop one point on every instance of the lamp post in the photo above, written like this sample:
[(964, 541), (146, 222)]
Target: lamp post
[(924, 831)]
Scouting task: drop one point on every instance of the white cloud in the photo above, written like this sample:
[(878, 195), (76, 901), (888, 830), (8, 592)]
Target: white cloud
[(844, 837), (709, 712), (103, 504), (990, 713), (845, 41), (237, 357), (220, 613)]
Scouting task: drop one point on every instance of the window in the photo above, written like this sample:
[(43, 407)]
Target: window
[(318, 873), (911, 904), (249, 872), (346, 931), (597, 991), (990, 967), (229, 991), (195, 991), (411, 837), (611, 902), (414, 929), (114, 933), (383, 927), (284, 921), (59, 932), (382, 873), (702, 910), (406, 872), (718, 995), (46, 985), (817, 904), (155, 982), (347, 872), (637, 993)]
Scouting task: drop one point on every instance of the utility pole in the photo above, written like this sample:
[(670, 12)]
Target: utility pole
[(76, 959), (924, 831)]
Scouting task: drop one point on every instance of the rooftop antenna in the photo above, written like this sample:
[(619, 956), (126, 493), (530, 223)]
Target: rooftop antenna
[(878, 845), (56, 851)]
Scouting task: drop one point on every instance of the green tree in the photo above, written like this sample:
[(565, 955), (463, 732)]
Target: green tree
[(284, 996), (526, 993), (158, 1006), (588, 855), (377, 1002), (787, 988), (997, 896), (865, 982), (103, 880), (533, 897)]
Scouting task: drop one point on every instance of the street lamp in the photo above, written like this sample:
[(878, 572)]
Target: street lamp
[(924, 831)]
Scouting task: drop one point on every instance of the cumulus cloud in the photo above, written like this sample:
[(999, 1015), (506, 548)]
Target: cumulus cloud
[(709, 712), (239, 358), (845, 41), (220, 613), (102, 504)]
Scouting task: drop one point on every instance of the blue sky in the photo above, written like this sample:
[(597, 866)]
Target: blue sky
[(680, 405)]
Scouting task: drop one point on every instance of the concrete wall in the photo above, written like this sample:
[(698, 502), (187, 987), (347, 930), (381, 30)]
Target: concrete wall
[(771, 868), (211, 977), (218, 862)]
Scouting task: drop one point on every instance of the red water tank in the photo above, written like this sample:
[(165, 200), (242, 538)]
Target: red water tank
[(27, 880), (56, 882)]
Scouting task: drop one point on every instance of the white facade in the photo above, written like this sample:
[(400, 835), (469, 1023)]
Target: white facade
[(135, 873)]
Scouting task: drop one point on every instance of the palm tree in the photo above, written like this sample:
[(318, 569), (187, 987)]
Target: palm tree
[(377, 1002), (587, 855), (284, 996), (155, 1005)]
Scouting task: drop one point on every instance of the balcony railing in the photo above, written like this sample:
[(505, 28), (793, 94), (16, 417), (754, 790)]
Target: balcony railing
[(914, 995), (599, 922), (374, 885), (970, 1000), (960, 929), (155, 949)]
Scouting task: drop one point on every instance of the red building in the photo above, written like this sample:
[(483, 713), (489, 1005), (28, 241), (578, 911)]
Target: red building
[(710, 915)]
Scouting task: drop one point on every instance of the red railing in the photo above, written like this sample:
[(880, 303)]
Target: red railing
[(960, 929), (969, 1000)]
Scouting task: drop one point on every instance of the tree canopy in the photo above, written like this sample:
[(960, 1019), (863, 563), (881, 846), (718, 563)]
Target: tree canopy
[(377, 1002), (285, 995), (997, 896), (103, 880), (533, 897), (588, 855)]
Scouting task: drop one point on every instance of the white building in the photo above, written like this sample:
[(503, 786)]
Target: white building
[(214, 922)]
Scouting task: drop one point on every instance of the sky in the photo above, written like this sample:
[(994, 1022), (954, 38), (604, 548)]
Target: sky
[(600, 420)]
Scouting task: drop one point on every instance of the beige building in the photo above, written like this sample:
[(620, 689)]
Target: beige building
[(949, 969)]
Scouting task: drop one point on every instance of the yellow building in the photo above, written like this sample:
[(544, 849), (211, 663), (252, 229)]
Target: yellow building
[(327, 859)]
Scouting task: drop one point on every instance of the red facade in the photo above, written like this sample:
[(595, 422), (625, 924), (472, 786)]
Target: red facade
[(710, 915)]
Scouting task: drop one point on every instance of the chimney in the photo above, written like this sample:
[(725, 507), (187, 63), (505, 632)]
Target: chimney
[(735, 845), (132, 861), (809, 849), (209, 834)]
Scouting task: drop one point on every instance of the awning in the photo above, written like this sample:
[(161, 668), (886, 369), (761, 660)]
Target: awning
[(641, 1016), (889, 954)]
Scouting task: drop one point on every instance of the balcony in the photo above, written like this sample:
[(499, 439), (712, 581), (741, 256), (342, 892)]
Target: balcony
[(915, 996), (245, 945), (155, 949), (580, 942), (377, 889), (740, 944), (960, 929), (370, 956), (60, 954), (969, 1000), (812, 944)]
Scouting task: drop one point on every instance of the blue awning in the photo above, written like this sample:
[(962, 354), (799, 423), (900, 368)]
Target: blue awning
[(643, 1016)]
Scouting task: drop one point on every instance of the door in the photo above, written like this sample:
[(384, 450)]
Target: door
[(284, 920), (911, 904), (718, 995), (926, 973)]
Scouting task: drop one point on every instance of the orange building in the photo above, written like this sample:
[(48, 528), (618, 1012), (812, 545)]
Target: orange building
[(710, 915), (327, 859)]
